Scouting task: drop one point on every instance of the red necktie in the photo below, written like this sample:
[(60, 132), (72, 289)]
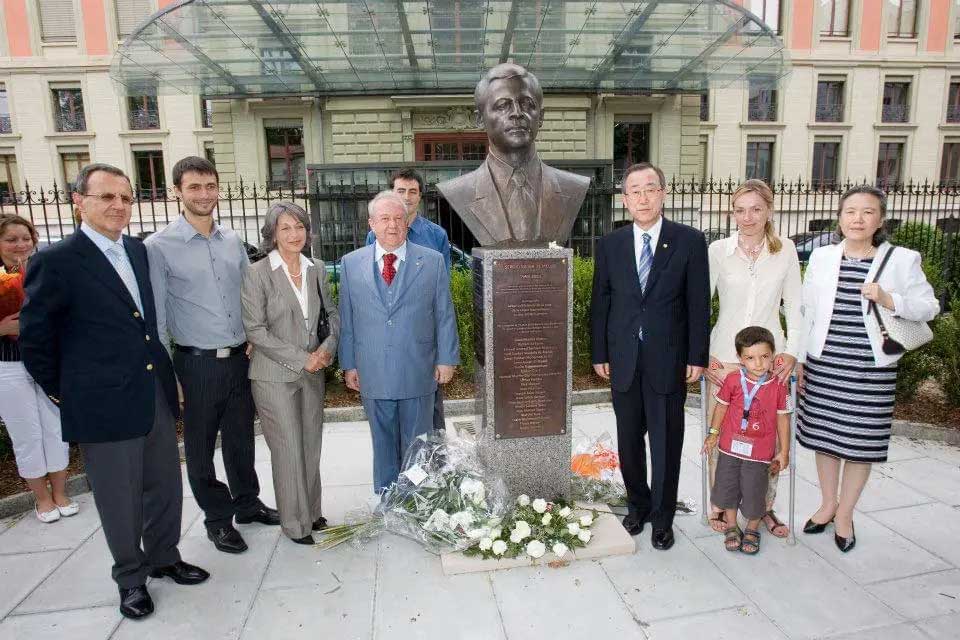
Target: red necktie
[(388, 270)]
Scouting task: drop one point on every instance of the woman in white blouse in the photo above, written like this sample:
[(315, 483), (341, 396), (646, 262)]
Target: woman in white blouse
[(753, 271), (282, 298)]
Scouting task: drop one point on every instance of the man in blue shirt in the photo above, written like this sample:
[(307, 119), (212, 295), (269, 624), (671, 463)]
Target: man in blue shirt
[(408, 184)]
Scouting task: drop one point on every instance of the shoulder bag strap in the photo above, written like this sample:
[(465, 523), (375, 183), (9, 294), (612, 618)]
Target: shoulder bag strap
[(872, 306)]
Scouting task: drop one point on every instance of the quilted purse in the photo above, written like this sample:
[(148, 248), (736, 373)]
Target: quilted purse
[(899, 334)]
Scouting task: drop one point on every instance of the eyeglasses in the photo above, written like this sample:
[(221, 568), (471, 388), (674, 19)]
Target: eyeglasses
[(647, 192), (108, 198)]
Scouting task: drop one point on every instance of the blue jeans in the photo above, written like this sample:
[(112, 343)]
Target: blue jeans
[(393, 426)]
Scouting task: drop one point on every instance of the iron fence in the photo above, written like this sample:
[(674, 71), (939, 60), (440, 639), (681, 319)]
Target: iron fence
[(928, 215)]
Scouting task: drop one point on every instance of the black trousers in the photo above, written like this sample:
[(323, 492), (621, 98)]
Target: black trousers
[(217, 399), (439, 424), (641, 412), (139, 496)]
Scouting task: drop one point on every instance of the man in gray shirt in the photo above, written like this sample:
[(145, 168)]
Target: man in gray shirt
[(196, 269)]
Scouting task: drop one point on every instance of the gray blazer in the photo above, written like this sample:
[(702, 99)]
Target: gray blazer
[(274, 322)]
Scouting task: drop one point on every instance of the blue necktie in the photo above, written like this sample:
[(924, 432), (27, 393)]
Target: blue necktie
[(125, 271), (646, 260)]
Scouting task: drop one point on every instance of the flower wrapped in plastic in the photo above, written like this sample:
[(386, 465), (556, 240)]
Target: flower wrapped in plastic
[(11, 293), (444, 498), (596, 471)]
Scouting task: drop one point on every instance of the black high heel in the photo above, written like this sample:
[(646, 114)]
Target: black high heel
[(816, 527), (846, 544)]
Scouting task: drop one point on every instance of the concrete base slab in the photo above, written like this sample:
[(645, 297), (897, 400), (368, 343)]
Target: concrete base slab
[(609, 539)]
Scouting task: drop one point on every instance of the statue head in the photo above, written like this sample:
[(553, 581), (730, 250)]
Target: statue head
[(510, 107)]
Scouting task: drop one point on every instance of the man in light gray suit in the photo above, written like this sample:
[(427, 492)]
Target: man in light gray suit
[(398, 333)]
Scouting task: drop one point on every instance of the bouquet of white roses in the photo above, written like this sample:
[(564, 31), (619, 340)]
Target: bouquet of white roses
[(533, 528)]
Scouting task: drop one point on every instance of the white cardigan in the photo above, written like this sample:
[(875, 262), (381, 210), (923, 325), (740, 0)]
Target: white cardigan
[(902, 278)]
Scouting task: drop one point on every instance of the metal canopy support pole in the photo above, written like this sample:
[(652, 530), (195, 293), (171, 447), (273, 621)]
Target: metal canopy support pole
[(508, 31), (202, 57), (407, 36), (707, 52), (288, 43), (622, 41)]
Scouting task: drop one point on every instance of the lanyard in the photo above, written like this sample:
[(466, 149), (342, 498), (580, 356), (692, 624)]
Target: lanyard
[(748, 397)]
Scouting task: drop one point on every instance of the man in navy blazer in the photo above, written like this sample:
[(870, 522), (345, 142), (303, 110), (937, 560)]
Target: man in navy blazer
[(88, 336), (398, 333), (650, 325)]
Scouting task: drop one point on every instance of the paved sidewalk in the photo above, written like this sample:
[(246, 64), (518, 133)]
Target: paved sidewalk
[(902, 582)]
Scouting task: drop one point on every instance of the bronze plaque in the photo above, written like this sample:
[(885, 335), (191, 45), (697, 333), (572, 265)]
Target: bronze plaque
[(530, 347)]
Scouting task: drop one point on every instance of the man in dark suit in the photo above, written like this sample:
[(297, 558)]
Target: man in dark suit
[(650, 323), (514, 197), (88, 336)]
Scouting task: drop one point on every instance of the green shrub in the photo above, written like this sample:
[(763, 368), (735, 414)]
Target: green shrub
[(582, 293), (915, 367), (461, 290), (6, 447), (946, 347)]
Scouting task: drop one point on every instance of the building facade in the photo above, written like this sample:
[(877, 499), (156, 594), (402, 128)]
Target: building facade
[(874, 93)]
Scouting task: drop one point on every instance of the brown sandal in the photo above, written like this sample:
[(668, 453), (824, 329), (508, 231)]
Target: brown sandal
[(773, 524), (750, 543), (732, 538)]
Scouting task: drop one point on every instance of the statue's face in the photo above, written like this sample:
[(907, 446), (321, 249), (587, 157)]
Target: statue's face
[(511, 114)]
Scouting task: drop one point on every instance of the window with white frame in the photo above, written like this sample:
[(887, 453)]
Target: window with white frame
[(130, 13), (834, 18), (760, 159), (901, 18)]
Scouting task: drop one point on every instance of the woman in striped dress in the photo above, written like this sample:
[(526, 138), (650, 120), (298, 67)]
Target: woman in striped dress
[(848, 382)]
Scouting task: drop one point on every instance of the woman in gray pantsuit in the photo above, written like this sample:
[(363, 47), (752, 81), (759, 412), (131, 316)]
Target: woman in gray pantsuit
[(281, 309)]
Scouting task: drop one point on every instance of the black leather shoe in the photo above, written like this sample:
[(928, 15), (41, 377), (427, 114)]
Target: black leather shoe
[(135, 603), (816, 527), (320, 524), (662, 539), (633, 523), (263, 515), (181, 573), (307, 539), (227, 539), (846, 544)]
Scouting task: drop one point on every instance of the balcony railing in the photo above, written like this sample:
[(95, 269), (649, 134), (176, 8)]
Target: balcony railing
[(762, 112), (895, 113), (5, 126), (69, 122), (829, 112), (953, 113), (144, 120)]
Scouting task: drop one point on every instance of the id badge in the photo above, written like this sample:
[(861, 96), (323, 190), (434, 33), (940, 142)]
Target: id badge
[(741, 447)]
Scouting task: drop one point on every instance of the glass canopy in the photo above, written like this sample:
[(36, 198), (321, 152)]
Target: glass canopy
[(262, 48)]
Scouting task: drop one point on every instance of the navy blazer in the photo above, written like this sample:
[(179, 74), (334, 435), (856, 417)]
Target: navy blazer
[(674, 311), (86, 344)]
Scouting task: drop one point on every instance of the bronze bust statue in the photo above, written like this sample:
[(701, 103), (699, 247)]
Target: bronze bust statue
[(513, 197)]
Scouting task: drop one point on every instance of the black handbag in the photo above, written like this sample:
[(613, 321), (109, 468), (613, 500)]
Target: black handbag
[(323, 322)]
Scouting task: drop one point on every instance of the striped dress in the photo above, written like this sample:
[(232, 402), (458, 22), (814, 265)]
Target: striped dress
[(846, 409)]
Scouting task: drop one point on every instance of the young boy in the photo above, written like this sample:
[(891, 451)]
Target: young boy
[(751, 415)]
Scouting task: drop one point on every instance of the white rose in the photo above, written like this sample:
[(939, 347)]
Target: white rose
[(473, 490), (499, 546), (495, 532), (522, 525), (523, 500), (565, 512), (536, 549), (485, 544), (539, 505), (585, 535), (461, 520), (586, 521), (476, 534), (517, 536), (437, 521), (560, 549), (573, 528), (545, 520)]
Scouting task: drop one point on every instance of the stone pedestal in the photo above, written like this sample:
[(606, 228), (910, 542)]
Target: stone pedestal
[(523, 329)]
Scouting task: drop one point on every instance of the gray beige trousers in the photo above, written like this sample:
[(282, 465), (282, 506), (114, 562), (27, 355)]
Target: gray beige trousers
[(291, 414)]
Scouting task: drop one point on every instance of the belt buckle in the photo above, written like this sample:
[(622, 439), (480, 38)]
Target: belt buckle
[(223, 352)]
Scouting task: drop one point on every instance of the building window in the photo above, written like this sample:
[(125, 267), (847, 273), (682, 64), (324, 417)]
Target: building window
[(206, 113), (151, 183), (834, 18), (209, 153), (826, 164), (9, 178), (143, 112), (950, 165), (953, 102), (901, 19), (631, 144), (130, 13), (704, 157), (5, 125), (68, 110), (71, 162), (896, 102), (956, 20), (760, 159), (705, 107), (56, 21), (277, 61), (766, 10), (286, 159), (829, 101), (371, 30), (434, 147), (889, 164), (762, 106), (460, 25)]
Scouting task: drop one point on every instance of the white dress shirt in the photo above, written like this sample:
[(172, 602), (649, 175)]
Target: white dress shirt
[(751, 295), (653, 232), (400, 252), (300, 292)]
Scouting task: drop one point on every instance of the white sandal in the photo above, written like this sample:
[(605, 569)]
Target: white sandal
[(48, 516), (70, 510)]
